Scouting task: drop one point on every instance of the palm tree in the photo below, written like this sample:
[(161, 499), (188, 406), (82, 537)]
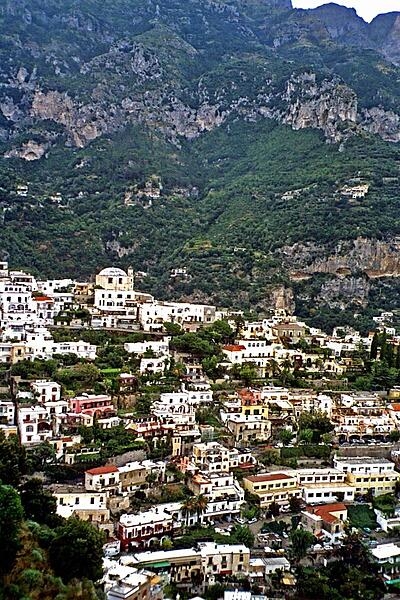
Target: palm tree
[(273, 367), (201, 504), (188, 509)]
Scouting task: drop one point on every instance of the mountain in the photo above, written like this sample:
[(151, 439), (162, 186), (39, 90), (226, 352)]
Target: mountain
[(254, 144)]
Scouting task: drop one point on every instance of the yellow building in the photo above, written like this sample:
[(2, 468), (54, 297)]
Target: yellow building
[(273, 487), (367, 474), (115, 279), (255, 410)]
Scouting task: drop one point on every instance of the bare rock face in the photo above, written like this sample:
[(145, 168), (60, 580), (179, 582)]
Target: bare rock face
[(30, 151), (337, 292), (385, 31), (282, 298), (323, 106), (381, 122), (83, 123), (375, 258)]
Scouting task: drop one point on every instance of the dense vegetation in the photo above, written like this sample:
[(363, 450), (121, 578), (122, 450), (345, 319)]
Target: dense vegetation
[(42, 556), (222, 212)]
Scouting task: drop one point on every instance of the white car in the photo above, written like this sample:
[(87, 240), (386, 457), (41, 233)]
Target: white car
[(253, 520), (240, 520)]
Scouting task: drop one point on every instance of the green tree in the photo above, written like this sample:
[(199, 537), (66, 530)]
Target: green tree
[(394, 436), (39, 504), (374, 347), (41, 456), (210, 366), (248, 373), (270, 457), (172, 328), (306, 436), (77, 551), (295, 504), (301, 541), (285, 436), (241, 534), (13, 464), (11, 516)]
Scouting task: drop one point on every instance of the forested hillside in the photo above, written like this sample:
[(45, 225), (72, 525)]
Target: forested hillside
[(226, 137)]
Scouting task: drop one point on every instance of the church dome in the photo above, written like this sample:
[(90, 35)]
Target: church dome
[(113, 272)]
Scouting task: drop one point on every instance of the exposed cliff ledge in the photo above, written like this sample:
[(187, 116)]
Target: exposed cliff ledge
[(328, 105), (375, 258)]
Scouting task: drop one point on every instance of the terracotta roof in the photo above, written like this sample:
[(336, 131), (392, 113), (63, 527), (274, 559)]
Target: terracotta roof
[(43, 299), (268, 477), (325, 511), (103, 470), (234, 348), (395, 406)]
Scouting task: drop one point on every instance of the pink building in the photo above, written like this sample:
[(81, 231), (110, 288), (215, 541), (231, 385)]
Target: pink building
[(90, 404)]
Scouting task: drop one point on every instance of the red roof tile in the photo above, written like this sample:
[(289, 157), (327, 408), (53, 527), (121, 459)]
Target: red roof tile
[(325, 511), (234, 348), (103, 470)]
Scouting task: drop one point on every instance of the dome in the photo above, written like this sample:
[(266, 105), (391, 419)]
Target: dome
[(113, 272)]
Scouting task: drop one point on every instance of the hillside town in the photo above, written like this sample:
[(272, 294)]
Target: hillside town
[(216, 453)]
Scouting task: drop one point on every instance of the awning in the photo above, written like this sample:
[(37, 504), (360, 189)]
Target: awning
[(159, 565)]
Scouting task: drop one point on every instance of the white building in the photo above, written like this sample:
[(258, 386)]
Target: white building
[(101, 479), (88, 506), (7, 412), (158, 347), (174, 408), (46, 391), (51, 287), (324, 485), (34, 424), (152, 316), (224, 494)]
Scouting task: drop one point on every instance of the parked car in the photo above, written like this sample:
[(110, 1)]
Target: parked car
[(253, 520), (317, 547), (240, 520)]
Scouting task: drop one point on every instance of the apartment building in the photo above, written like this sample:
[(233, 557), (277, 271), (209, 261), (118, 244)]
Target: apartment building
[(87, 506), (134, 474), (369, 475), (324, 485), (7, 412), (224, 494), (214, 457), (101, 479), (199, 568), (92, 404), (247, 429), (34, 425), (155, 524), (273, 487)]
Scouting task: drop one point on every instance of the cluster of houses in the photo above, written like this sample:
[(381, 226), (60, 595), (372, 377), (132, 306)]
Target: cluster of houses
[(29, 308), (218, 471)]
